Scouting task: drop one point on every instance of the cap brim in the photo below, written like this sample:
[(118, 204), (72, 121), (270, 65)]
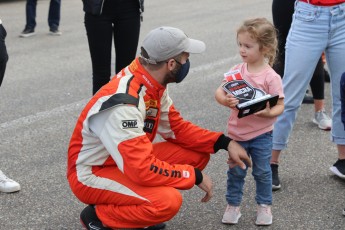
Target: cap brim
[(195, 46)]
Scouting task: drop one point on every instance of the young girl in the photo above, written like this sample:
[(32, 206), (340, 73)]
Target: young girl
[(257, 42)]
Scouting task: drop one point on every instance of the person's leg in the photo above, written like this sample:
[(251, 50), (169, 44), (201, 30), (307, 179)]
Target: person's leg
[(282, 11), (317, 85), (126, 33), (260, 151), (99, 32), (235, 181), (54, 14), (31, 14), (306, 37), (121, 203), (334, 53), (3, 53)]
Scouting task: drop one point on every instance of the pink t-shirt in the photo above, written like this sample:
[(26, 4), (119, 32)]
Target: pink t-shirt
[(246, 128)]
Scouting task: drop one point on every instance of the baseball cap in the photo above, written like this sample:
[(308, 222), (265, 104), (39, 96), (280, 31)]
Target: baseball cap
[(166, 42)]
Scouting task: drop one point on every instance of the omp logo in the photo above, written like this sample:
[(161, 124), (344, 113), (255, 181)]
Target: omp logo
[(165, 172), (128, 124)]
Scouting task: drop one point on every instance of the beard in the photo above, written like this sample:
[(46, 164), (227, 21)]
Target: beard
[(171, 76)]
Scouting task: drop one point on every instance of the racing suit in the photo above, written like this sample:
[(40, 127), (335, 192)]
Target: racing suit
[(113, 162)]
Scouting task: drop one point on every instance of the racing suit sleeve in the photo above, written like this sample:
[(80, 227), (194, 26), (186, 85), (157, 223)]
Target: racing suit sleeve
[(121, 133)]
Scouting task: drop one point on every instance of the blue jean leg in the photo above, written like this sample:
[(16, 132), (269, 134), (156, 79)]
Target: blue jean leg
[(259, 149), (30, 14), (54, 14), (313, 30)]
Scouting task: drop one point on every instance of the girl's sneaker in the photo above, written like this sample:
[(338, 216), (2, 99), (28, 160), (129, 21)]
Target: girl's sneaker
[(264, 215), (231, 215)]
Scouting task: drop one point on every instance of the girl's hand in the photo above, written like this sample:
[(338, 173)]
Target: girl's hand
[(265, 112), (231, 101)]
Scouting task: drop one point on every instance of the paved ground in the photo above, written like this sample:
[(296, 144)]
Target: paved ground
[(48, 80)]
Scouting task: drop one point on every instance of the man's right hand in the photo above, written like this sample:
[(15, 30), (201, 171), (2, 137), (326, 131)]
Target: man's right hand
[(207, 186), (238, 155)]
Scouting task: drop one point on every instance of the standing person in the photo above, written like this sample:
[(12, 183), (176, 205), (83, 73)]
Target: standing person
[(317, 26), (257, 43), (112, 162), (282, 11), (105, 19), (6, 184), (53, 18)]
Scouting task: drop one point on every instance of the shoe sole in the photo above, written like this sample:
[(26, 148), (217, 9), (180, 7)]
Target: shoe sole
[(236, 222), (276, 187), (321, 127), (263, 224), (14, 189), (27, 35), (55, 34), (335, 171)]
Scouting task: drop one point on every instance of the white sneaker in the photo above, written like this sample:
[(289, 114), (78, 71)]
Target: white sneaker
[(231, 215), (8, 185), (264, 215), (322, 120)]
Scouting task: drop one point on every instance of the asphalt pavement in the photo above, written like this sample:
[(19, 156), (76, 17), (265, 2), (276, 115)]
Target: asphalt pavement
[(48, 81)]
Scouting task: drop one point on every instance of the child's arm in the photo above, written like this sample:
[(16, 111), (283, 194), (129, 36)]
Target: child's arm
[(225, 99), (272, 112)]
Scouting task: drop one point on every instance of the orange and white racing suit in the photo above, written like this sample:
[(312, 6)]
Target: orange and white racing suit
[(113, 164)]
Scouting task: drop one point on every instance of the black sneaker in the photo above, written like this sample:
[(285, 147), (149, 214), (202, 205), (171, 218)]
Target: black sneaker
[(27, 32), (55, 32), (275, 178), (89, 219), (339, 168), (344, 212)]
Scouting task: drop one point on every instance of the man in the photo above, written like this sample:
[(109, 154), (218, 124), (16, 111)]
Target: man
[(113, 165)]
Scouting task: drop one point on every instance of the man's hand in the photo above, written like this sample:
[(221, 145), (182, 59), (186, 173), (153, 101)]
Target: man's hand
[(207, 186), (237, 154)]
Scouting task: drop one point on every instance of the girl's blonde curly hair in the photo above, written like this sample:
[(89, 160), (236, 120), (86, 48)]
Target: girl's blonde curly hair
[(265, 34)]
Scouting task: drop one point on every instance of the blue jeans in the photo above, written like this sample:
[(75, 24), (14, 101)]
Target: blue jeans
[(259, 149), (313, 30), (53, 15)]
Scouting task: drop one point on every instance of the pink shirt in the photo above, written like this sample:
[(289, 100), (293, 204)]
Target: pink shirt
[(246, 128)]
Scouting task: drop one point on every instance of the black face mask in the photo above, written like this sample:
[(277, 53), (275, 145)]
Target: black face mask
[(182, 72)]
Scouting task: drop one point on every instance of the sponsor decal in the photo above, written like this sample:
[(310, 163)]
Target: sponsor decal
[(151, 112), (166, 172), (151, 103), (149, 125), (147, 80), (129, 124), (185, 174)]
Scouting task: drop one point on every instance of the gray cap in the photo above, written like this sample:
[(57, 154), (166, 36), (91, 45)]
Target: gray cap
[(167, 42)]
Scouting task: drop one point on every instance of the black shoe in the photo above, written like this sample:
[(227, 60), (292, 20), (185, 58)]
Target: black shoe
[(27, 32), (275, 178), (344, 212), (339, 168), (156, 227), (89, 219), (55, 32), (308, 99)]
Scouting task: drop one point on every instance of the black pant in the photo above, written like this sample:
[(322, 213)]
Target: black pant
[(282, 11), (3, 53), (121, 19)]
